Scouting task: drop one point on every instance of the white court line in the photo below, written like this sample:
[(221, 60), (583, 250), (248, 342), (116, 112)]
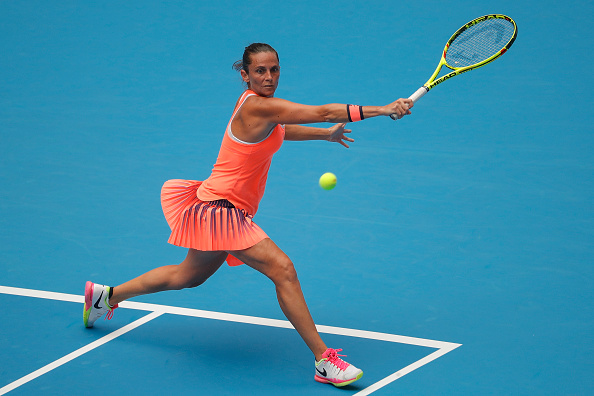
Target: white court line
[(157, 310), (79, 352), (400, 373)]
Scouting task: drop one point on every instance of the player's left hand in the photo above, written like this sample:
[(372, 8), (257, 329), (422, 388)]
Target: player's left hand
[(337, 134)]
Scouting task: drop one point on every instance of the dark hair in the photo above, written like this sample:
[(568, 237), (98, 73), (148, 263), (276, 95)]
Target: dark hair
[(254, 48)]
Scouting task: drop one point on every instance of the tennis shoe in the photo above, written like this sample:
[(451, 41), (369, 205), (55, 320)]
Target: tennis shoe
[(96, 303), (333, 370)]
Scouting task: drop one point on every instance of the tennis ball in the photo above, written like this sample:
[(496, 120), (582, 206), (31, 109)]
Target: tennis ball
[(328, 181)]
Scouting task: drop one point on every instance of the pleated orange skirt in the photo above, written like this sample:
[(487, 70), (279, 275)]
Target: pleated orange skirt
[(210, 226)]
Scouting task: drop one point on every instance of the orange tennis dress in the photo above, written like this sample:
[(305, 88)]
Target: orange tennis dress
[(217, 214)]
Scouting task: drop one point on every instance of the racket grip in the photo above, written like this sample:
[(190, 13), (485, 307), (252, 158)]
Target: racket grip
[(416, 96)]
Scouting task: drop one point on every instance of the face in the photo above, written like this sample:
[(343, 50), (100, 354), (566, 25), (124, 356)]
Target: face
[(264, 73)]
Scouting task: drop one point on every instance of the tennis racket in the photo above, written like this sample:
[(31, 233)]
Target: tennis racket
[(475, 44)]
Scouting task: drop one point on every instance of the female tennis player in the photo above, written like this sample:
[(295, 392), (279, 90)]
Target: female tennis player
[(214, 218)]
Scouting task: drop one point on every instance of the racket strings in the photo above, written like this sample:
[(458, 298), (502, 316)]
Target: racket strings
[(479, 42)]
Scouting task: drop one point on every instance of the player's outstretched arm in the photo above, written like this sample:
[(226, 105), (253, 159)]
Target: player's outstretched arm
[(280, 111), (335, 133)]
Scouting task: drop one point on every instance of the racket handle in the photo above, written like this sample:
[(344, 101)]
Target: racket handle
[(416, 96)]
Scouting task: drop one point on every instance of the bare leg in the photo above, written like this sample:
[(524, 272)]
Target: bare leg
[(193, 271), (270, 260)]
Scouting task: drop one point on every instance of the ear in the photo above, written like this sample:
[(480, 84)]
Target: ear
[(245, 76)]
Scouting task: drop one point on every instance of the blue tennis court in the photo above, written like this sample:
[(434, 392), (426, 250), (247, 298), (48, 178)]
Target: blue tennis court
[(455, 255)]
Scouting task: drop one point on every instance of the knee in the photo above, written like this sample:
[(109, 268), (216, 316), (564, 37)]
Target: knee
[(283, 271)]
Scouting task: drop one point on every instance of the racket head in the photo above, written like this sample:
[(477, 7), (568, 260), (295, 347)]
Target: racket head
[(479, 42)]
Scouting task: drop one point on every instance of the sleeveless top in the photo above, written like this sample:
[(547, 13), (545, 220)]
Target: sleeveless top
[(241, 170)]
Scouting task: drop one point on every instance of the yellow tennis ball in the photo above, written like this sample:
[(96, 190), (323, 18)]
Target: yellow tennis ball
[(328, 181)]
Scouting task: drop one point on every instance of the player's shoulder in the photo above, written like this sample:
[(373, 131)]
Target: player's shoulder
[(260, 102)]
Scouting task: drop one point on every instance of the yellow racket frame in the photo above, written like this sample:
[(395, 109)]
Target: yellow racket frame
[(431, 83), (459, 70)]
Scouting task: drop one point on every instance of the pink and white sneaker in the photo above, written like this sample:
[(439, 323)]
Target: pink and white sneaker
[(332, 369), (96, 303)]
